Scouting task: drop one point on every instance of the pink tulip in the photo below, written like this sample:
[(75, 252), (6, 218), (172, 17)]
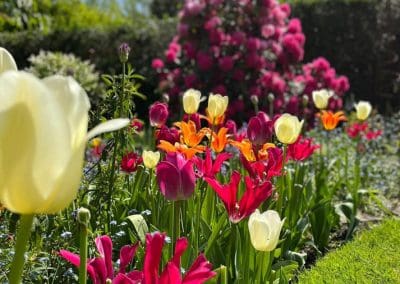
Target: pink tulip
[(176, 177)]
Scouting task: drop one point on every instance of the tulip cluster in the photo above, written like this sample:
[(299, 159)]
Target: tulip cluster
[(207, 53)]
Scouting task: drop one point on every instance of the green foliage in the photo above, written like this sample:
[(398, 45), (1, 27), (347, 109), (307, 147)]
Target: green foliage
[(56, 63), (372, 258)]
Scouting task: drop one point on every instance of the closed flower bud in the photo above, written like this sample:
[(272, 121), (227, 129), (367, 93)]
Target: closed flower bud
[(7, 62), (83, 216), (288, 128), (321, 98), (150, 159), (191, 101), (124, 51), (265, 229), (217, 105), (363, 110), (271, 97), (254, 100)]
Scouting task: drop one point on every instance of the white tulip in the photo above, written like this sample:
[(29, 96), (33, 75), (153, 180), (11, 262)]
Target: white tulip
[(363, 110)]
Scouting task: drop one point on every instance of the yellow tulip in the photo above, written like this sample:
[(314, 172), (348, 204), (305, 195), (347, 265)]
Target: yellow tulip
[(150, 159), (321, 98), (43, 134), (191, 101), (363, 110), (7, 62), (265, 229), (217, 105), (288, 128)]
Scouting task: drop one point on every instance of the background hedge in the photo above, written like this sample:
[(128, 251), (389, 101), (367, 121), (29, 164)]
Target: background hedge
[(360, 38)]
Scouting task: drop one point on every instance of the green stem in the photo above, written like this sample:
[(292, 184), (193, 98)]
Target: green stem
[(23, 236), (282, 183), (83, 248), (176, 222)]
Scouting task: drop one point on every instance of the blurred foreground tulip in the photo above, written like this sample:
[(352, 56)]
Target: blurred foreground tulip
[(321, 98), (175, 176), (265, 229), (7, 62), (191, 101), (288, 128), (363, 110), (217, 105), (301, 149)]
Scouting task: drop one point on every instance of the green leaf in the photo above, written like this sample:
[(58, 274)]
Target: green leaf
[(139, 225)]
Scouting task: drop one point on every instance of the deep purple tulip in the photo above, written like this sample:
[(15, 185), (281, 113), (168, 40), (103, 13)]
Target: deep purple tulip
[(260, 128), (176, 177), (158, 114)]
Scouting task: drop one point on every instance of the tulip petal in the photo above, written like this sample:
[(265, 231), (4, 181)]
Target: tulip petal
[(7, 62), (152, 257), (126, 255), (37, 136), (199, 272), (171, 274), (108, 126)]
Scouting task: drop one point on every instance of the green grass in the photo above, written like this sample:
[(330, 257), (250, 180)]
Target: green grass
[(373, 257)]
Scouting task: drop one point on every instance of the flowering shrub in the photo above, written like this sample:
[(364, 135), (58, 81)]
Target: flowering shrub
[(245, 48)]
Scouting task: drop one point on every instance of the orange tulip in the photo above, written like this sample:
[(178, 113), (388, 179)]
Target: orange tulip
[(330, 120), (189, 134), (246, 148), (181, 148), (219, 140)]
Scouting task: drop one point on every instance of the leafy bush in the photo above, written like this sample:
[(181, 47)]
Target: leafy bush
[(244, 49), (372, 258), (56, 63)]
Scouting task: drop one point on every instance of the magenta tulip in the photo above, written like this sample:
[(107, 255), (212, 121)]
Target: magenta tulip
[(176, 177), (158, 114), (260, 129)]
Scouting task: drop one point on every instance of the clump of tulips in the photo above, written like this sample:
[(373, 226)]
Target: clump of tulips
[(247, 199)]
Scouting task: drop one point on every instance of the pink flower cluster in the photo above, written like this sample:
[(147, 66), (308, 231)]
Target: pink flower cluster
[(244, 48)]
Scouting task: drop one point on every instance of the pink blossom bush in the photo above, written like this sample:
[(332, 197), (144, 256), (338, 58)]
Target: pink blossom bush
[(244, 48)]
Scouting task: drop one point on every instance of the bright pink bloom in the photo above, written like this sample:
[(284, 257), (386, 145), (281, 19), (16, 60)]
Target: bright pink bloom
[(294, 26), (232, 127), (175, 177), (262, 170), (157, 64), (130, 162), (206, 168), (357, 129), (301, 149), (260, 129), (100, 269), (254, 195), (372, 135), (158, 114), (137, 125)]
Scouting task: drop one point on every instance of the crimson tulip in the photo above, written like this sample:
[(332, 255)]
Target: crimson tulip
[(301, 149), (206, 167), (176, 177), (130, 162), (254, 195)]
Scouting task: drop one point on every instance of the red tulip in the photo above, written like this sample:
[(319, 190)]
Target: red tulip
[(158, 114), (130, 162), (175, 176), (254, 195), (260, 129), (301, 149), (206, 168), (168, 134), (265, 169)]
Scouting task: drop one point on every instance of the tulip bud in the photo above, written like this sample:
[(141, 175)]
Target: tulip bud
[(191, 101), (254, 100), (165, 98), (150, 159), (7, 62), (321, 98), (265, 229), (288, 128), (130, 162), (124, 51), (83, 216), (363, 110), (305, 100), (158, 114), (217, 105), (270, 97)]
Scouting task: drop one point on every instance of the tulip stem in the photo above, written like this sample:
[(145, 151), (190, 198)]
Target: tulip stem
[(176, 222), (23, 236), (83, 249), (282, 182)]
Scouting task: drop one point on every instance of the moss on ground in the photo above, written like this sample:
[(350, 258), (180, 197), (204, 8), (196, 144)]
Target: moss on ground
[(373, 257)]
